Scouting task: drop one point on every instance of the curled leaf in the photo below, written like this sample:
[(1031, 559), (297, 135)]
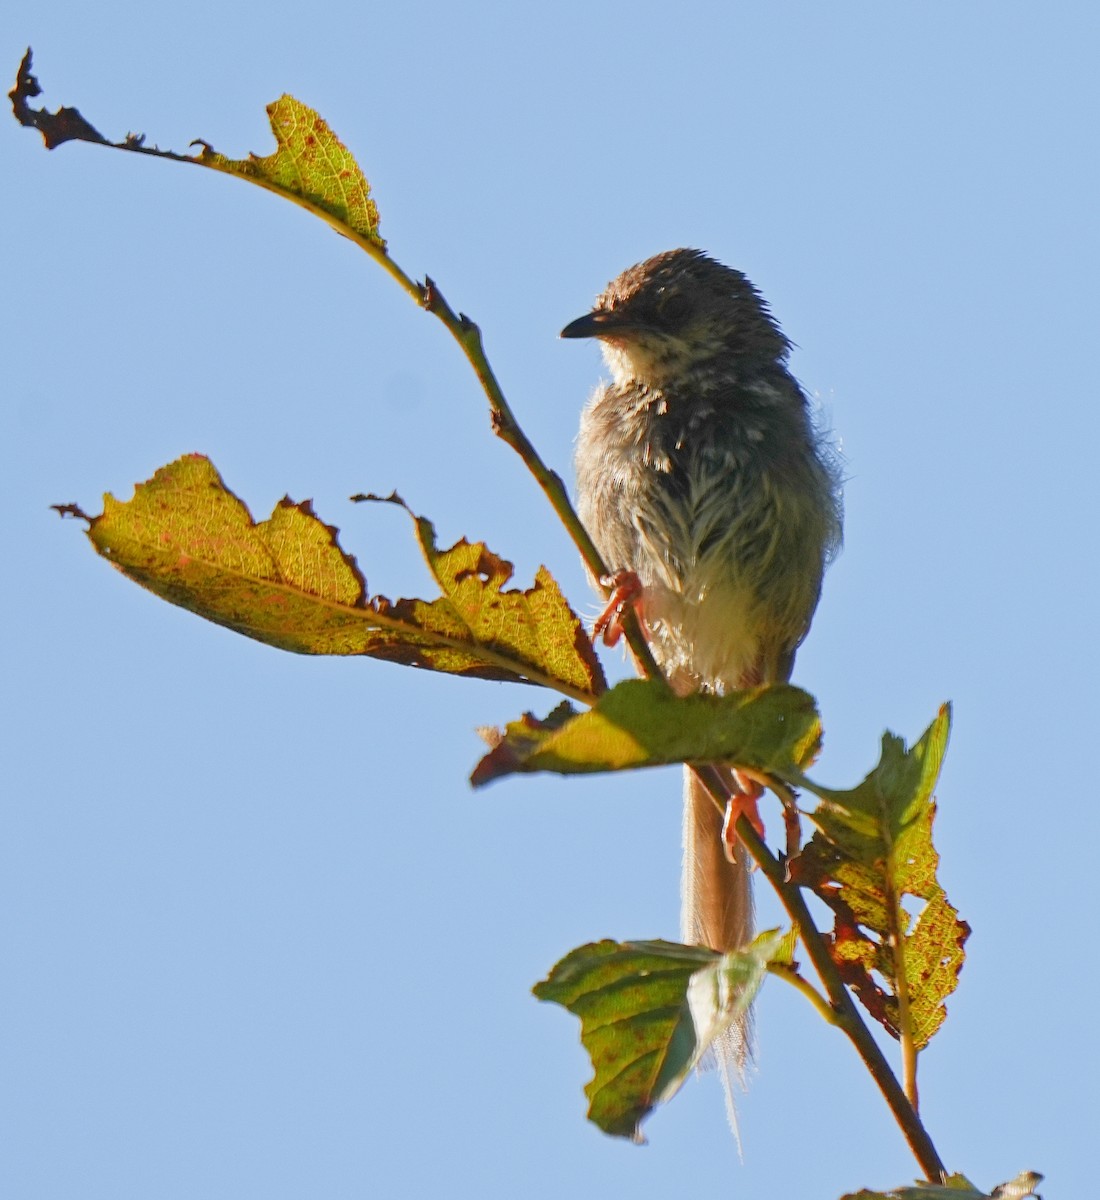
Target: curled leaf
[(65, 125), (649, 1012)]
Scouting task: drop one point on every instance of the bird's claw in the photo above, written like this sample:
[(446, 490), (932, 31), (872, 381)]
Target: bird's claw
[(626, 593), (745, 802)]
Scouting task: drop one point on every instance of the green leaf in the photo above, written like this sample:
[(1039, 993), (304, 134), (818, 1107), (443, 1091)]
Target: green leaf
[(649, 1011), (872, 850), (285, 581), (956, 1188), (310, 166), (643, 723)]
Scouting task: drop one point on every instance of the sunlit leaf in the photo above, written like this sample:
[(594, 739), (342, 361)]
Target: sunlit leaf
[(643, 723), (869, 860), (536, 625), (310, 166), (649, 1011), (285, 581)]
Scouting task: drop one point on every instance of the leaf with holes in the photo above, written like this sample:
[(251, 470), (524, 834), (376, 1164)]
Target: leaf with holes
[(285, 581), (311, 167), (897, 940)]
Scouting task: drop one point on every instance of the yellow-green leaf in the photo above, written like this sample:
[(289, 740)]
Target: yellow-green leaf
[(643, 723), (538, 625), (285, 581), (872, 850), (649, 1011), (310, 166)]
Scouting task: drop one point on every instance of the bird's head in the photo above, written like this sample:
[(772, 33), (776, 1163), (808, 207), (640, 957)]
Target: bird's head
[(679, 314)]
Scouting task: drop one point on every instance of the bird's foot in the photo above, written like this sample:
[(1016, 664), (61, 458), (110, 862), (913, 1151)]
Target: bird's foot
[(626, 593), (743, 803)]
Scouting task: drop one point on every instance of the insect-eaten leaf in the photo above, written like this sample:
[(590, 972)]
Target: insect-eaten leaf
[(285, 581), (649, 1011), (957, 1187), (310, 166), (643, 723), (897, 940)]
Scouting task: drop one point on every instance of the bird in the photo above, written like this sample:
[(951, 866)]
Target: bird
[(707, 486)]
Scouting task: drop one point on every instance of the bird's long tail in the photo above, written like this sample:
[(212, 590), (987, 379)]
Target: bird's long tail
[(717, 911), (716, 894)]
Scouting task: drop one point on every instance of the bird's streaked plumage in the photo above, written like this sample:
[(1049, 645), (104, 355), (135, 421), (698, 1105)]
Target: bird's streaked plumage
[(699, 469)]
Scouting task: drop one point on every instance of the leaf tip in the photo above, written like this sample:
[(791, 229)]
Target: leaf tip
[(73, 511), (65, 125), (375, 498)]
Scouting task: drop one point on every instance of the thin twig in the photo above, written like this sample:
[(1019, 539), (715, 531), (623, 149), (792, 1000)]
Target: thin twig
[(508, 429), (847, 1015)]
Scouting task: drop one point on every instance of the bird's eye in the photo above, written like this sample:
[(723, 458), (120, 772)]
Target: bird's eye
[(673, 307)]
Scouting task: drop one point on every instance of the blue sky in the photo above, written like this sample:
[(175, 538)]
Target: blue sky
[(259, 937)]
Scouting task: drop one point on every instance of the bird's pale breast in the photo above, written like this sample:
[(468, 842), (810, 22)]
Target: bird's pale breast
[(721, 514)]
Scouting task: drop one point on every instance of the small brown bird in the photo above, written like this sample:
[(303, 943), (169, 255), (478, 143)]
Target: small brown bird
[(700, 472)]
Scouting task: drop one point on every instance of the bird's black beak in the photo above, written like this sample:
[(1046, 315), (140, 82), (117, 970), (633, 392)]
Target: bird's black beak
[(598, 323)]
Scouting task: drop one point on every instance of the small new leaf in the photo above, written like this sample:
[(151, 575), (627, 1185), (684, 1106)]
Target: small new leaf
[(310, 166), (872, 850), (285, 581), (775, 730), (957, 1187), (649, 1011)]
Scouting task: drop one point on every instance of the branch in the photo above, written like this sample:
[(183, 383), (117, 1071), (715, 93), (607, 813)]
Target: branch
[(846, 1014), (841, 1007), (508, 429)]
